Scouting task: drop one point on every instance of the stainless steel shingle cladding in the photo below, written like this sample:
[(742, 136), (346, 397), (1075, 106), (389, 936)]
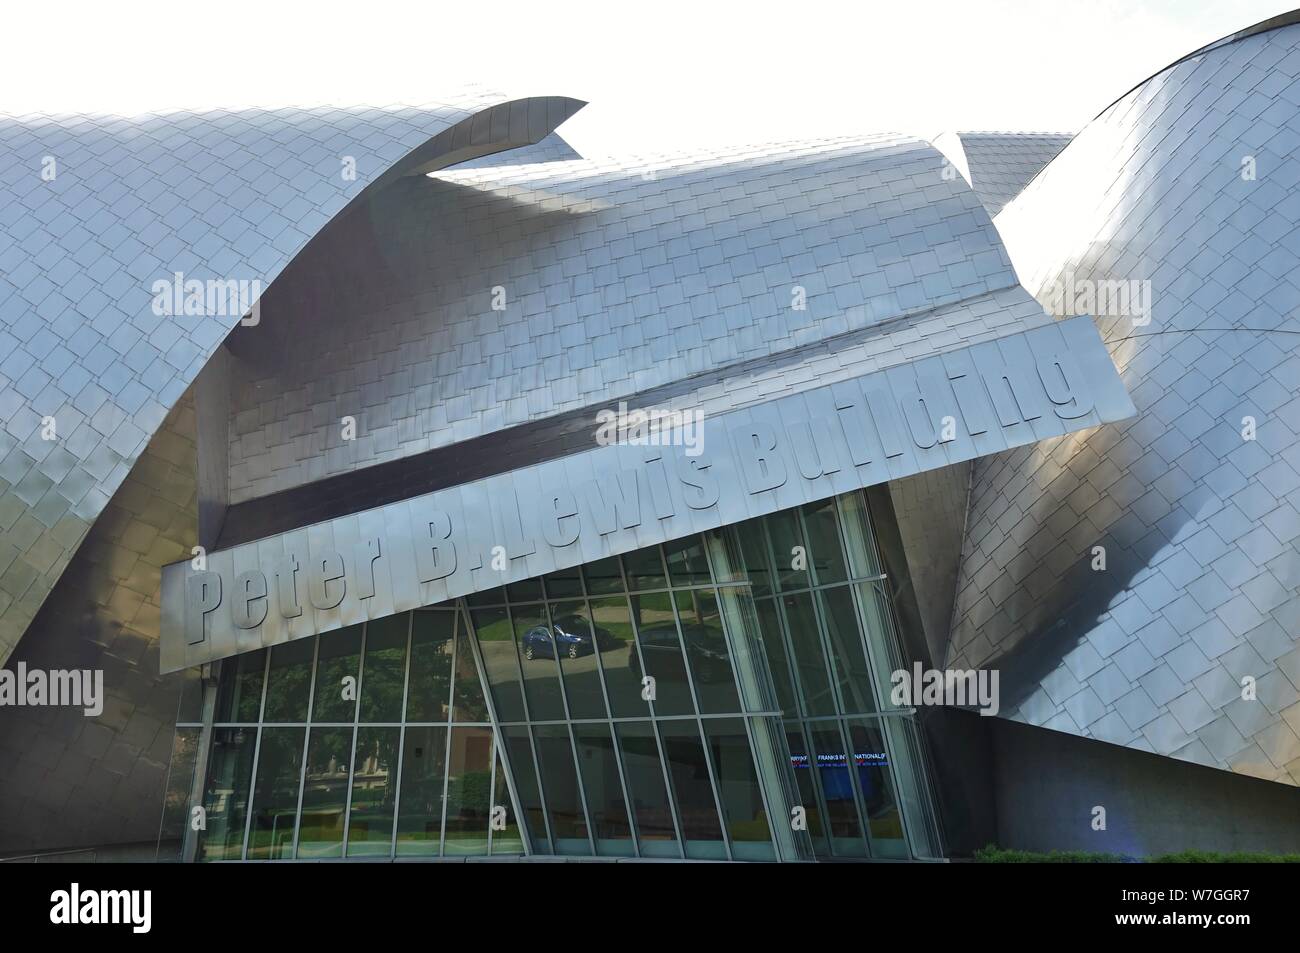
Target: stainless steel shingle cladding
[(1190, 182), (998, 165), (775, 272), (68, 780), (72, 781), (779, 289), (618, 277), (94, 209)]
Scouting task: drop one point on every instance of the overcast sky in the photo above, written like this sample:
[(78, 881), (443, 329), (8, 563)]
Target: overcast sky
[(660, 76)]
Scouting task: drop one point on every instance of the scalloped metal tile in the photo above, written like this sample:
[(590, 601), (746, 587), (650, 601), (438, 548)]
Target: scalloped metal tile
[(1201, 527)]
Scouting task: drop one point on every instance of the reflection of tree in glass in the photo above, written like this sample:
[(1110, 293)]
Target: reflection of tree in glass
[(429, 692), (275, 792), (370, 823), (339, 657), (384, 673), (419, 822), (468, 703), (376, 755), (290, 683), (475, 790), (328, 756), (324, 794)]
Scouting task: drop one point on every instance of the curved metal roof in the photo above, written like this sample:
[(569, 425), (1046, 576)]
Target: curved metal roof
[(95, 209), (1189, 183), (622, 276), (1278, 22), (1000, 164)]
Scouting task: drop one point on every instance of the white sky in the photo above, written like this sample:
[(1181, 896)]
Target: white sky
[(659, 76)]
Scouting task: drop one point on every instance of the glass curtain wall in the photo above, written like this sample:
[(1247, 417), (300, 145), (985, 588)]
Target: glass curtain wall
[(723, 696), (827, 630)]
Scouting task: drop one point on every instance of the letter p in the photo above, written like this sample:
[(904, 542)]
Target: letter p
[(202, 595)]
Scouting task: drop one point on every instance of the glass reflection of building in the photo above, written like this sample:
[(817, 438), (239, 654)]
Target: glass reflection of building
[(723, 696)]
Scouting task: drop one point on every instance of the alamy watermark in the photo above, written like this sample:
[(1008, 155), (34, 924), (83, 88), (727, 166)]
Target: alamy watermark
[(956, 687), (213, 297), (1070, 297), (651, 427), (58, 688), (76, 905)]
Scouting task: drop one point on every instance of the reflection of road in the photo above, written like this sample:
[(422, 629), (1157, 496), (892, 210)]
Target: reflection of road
[(582, 684), (499, 659), (575, 667), (618, 658), (622, 675)]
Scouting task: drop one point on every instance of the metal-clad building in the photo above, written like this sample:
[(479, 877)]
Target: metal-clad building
[(1184, 186), (423, 490)]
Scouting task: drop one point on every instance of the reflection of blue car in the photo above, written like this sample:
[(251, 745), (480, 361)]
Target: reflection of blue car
[(568, 637)]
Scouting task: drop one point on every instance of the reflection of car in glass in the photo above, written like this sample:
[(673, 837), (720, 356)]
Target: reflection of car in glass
[(705, 646), (567, 637)]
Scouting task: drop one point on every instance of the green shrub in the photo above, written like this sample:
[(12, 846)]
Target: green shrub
[(992, 854), (1210, 857)]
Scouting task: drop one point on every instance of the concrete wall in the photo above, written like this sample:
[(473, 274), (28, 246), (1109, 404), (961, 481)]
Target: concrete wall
[(931, 512), (1046, 784)]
